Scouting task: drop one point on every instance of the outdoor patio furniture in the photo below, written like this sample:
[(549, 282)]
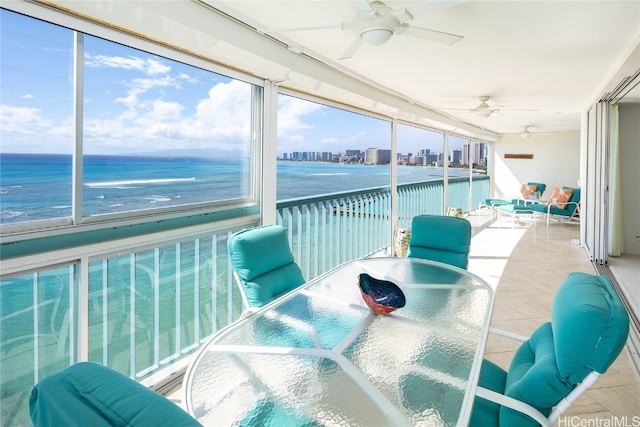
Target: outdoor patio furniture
[(562, 358), (90, 394), (527, 192), (263, 265), (563, 211), (440, 238)]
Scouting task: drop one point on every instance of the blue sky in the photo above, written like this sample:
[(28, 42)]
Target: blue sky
[(138, 102)]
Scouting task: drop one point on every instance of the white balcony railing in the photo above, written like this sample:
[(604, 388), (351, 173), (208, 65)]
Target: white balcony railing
[(142, 305)]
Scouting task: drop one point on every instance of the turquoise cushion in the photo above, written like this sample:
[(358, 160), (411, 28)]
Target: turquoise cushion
[(89, 394), (262, 258), (588, 329), (533, 378), (444, 239), (265, 288), (485, 412), (540, 186), (590, 325)]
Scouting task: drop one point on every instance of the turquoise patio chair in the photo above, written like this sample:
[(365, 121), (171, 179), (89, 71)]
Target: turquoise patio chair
[(89, 394), (562, 358), (263, 265), (493, 203), (439, 238)]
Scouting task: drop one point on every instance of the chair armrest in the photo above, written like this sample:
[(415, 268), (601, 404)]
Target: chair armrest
[(514, 404), (507, 334)]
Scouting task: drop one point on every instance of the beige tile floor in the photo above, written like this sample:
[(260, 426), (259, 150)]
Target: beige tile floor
[(525, 263)]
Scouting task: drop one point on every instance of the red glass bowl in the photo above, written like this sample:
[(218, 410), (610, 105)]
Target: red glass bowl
[(381, 296)]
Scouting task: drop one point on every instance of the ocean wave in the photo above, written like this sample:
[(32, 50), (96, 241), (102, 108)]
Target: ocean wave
[(330, 174), (127, 184), (158, 199), (61, 207)]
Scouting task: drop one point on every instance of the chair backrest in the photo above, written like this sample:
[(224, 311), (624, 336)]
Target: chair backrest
[(440, 238), (540, 187), (89, 394), (262, 260), (588, 329)]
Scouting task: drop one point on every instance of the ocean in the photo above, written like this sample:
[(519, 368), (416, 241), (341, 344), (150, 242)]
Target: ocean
[(39, 186)]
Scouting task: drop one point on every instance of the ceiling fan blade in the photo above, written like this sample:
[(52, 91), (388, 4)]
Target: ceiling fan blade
[(430, 6), (352, 49), (431, 35), (362, 6)]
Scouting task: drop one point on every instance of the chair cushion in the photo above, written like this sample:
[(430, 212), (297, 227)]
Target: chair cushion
[(440, 238), (588, 329), (485, 412), (590, 325), (528, 190), (262, 258), (89, 394), (560, 198), (256, 251), (265, 288)]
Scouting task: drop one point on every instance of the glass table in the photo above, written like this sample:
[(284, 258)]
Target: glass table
[(318, 356)]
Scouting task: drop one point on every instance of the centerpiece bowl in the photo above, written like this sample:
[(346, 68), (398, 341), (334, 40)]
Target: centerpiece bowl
[(381, 296)]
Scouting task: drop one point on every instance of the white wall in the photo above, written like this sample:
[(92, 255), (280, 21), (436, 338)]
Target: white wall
[(630, 175), (556, 162)]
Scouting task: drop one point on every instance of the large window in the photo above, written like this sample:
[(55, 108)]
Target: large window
[(421, 155), (323, 149), (156, 132), (36, 94)]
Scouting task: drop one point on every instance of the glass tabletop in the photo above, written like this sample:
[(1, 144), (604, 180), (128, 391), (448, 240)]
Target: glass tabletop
[(319, 356)]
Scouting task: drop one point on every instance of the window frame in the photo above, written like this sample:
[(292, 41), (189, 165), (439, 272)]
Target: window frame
[(76, 220)]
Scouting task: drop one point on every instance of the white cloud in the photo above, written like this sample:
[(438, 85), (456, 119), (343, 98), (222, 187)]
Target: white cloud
[(291, 112), (22, 120), (149, 66)]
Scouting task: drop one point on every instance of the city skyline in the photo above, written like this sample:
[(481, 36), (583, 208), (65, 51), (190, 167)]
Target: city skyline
[(423, 157)]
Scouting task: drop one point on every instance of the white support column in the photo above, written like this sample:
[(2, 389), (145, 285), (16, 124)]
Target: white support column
[(445, 174), (394, 181), (268, 154), (78, 95)]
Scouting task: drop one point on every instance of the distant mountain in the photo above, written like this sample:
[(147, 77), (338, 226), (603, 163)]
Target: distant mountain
[(208, 153)]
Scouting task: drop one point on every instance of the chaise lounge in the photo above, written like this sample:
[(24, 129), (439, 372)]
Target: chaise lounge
[(527, 191), (563, 203)]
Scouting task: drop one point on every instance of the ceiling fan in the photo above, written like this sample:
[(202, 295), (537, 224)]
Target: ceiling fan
[(526, 133), (487, 109), (375, 23), (380, 22)]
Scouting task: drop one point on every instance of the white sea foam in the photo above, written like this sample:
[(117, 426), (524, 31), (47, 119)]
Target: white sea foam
[(158, 199), (127, 184)]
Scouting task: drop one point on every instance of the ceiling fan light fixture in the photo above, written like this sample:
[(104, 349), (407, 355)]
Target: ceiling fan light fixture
[(376, 36)]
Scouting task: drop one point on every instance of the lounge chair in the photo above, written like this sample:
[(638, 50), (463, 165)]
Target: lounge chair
[(558, 207), (526, 192)]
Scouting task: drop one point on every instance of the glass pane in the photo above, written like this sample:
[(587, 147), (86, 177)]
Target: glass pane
[(161, 133), (36, 122), (323, 149), (37, 337), (155, 306), (421, 154)]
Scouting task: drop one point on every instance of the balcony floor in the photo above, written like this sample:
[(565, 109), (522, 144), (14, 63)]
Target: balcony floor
[(526, 263)]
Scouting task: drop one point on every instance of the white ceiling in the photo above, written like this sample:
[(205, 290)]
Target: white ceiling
[(541, 62), (551, 57)]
